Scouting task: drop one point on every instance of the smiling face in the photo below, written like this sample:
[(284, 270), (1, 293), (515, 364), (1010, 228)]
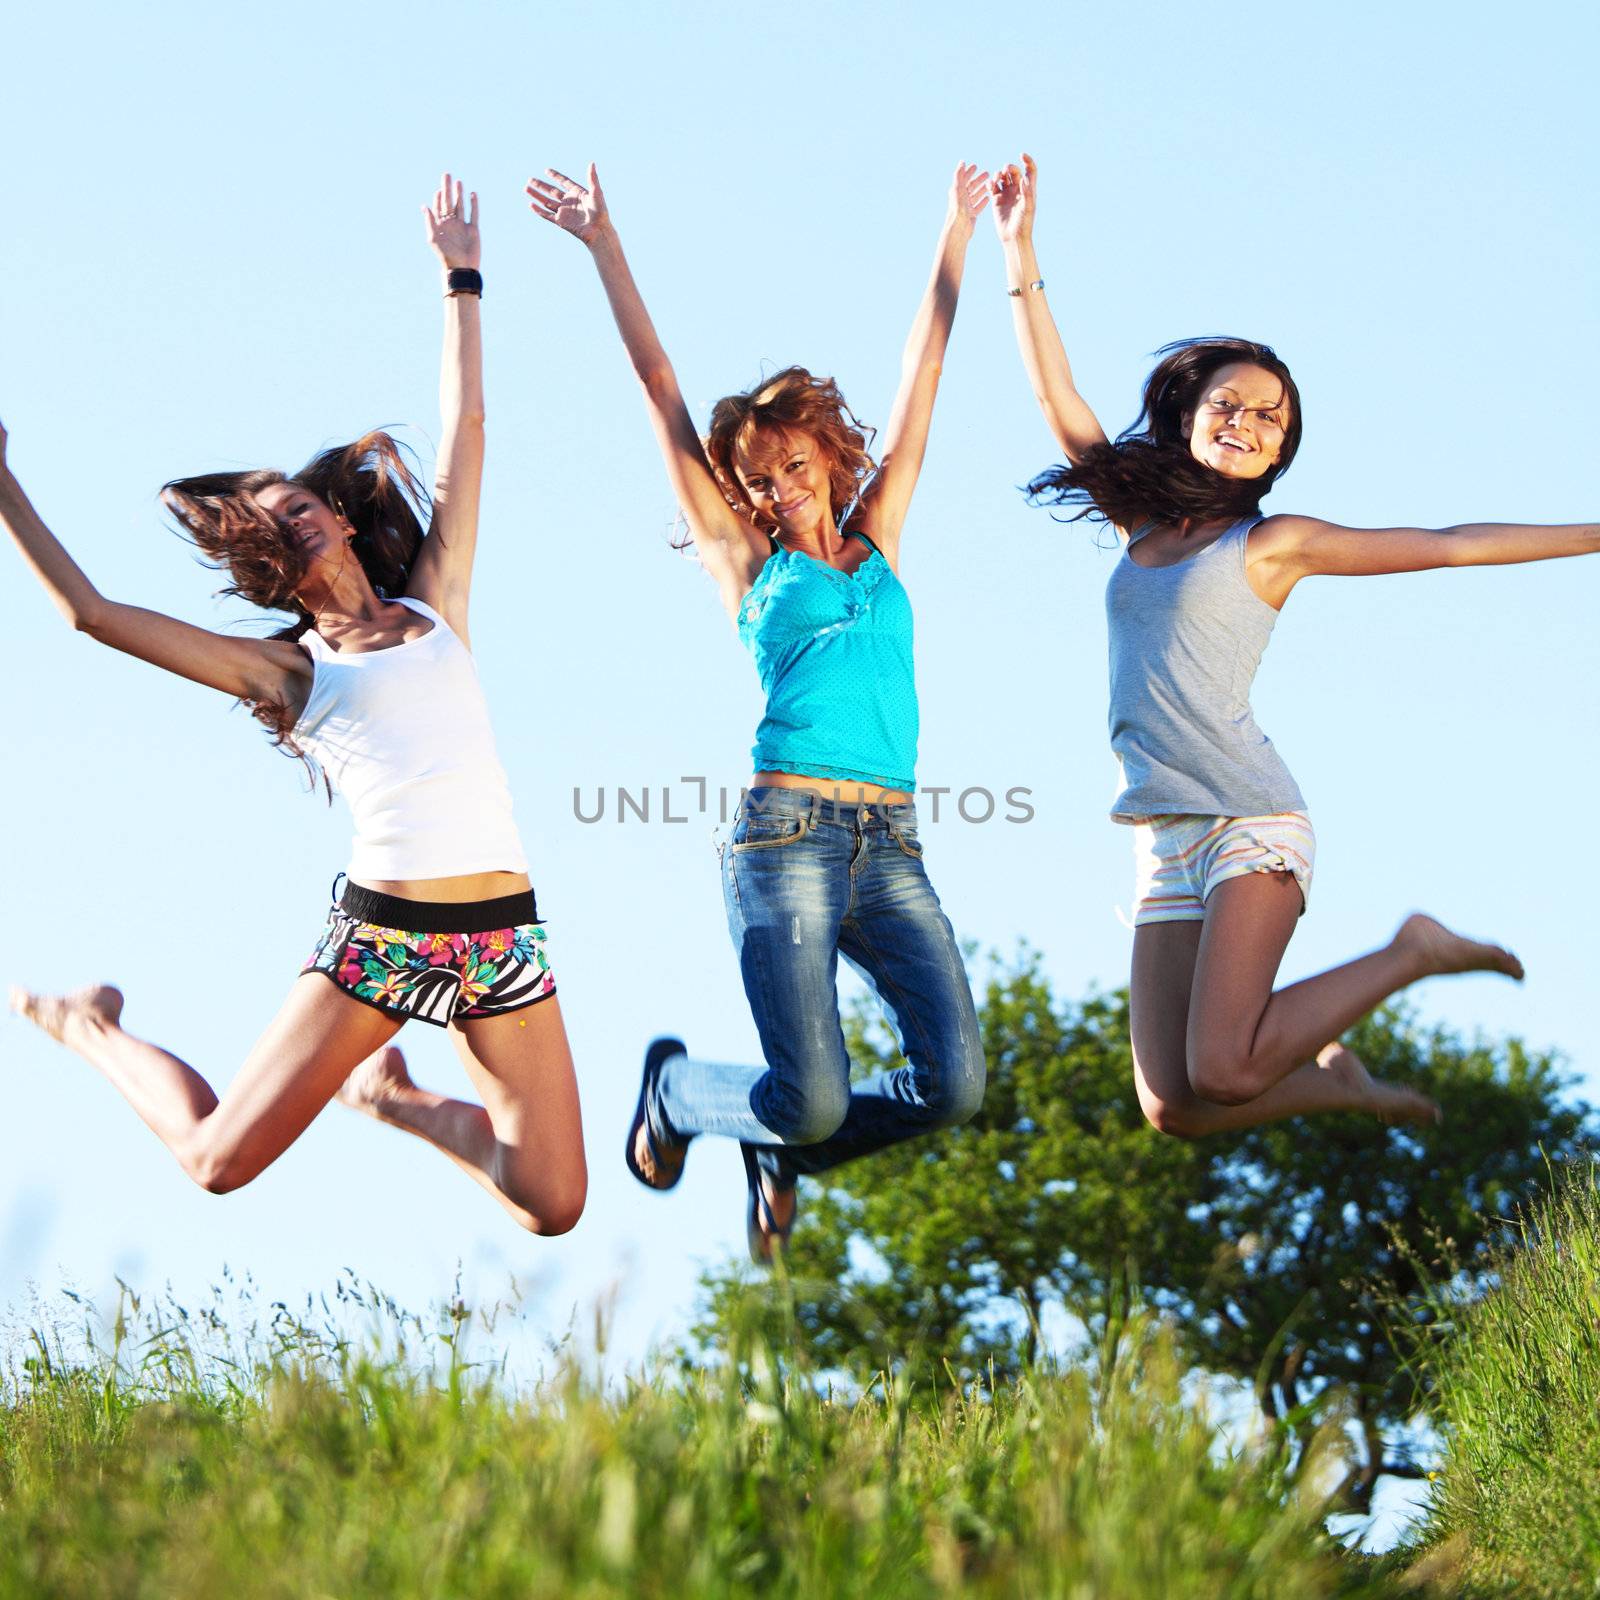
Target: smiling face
[(1238, 427), (308, 523), (786, 477)]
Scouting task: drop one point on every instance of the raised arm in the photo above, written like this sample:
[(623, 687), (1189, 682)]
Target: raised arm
[(729, 546), (442, 574), (1075, 426), (905, 440), (266, 671), (1285, 549)]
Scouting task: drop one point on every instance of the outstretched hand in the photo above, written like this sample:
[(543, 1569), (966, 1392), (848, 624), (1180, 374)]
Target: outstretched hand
[(568, 204), (1015, 192), (969, 192), (452, 229)]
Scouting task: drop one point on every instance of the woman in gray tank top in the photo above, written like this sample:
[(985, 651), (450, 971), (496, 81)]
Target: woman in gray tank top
[(1224, 845)]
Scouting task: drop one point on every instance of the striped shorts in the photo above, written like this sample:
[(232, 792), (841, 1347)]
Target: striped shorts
[(1181, 859)]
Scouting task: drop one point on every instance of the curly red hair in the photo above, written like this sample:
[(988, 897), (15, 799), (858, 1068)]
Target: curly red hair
[(790, 402)]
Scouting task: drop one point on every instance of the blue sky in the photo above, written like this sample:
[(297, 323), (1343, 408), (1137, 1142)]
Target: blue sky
[(213, 257)]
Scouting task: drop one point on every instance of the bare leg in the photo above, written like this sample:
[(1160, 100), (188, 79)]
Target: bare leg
[(525, 1143), (293, 1071), (1243, 1038), (1165, 955)]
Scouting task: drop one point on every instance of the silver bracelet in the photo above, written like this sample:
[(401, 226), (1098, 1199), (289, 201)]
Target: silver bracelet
[(1037, 285)]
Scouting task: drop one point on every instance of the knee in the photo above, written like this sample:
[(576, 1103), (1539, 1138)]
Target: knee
[(812, 1111), (1215, 1075), (960, 1094), (1175, 1118), (557, 1217), (549, 1210), (217, 1172)]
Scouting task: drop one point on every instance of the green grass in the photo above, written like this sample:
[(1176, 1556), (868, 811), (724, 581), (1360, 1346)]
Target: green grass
[(1516, 1388), (173, 1458)]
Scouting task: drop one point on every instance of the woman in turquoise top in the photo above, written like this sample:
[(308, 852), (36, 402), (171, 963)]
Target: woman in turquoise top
[(802, 536)]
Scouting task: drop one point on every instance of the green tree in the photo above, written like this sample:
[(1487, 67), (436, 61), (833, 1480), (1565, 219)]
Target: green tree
[(1271, 1247), (1330, 1221)]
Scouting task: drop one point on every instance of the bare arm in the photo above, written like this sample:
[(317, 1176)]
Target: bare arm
[(730, 547), (442, 574), (905, 441), (262, 670), (1285, 549), (1074, 425)]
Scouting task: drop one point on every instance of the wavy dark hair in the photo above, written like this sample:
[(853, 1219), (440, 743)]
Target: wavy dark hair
[(370, 482), (791, 401), (1148, 474)]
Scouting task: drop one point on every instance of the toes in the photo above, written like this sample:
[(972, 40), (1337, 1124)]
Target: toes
[(657, 1169)]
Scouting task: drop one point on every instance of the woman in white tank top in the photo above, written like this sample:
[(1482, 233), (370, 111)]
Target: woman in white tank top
[(438, 922), (1224, 844)]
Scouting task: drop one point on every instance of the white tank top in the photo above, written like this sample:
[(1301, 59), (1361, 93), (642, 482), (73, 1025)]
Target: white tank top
[(404, 736)]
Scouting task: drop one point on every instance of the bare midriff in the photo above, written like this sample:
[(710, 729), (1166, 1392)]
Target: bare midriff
[(839, 792), (466, 887)]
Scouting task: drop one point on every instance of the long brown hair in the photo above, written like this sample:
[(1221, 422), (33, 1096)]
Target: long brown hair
[(1149, 475), (369, 482), (791, 401)]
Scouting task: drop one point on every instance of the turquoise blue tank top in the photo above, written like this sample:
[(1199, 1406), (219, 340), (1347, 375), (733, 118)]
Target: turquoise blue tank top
[(833, 650)]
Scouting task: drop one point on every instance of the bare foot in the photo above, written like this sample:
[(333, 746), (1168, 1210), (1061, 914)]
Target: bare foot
[(97, 1007), (382, 1077), (1435, 949), (1388, 1102), (660, 1174)]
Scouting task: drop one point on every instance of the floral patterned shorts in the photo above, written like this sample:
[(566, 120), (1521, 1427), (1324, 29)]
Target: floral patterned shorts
[(438, 962)]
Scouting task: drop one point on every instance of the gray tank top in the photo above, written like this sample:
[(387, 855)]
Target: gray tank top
[(1185, 644)]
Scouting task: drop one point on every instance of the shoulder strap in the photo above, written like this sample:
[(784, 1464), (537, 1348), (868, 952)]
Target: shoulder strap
[(856, 533), (421, 607)]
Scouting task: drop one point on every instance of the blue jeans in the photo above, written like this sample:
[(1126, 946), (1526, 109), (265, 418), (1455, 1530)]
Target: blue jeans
[(806, 881)]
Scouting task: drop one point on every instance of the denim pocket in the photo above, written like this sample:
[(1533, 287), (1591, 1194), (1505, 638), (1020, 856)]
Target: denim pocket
[(908, 841), (756, 832)]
